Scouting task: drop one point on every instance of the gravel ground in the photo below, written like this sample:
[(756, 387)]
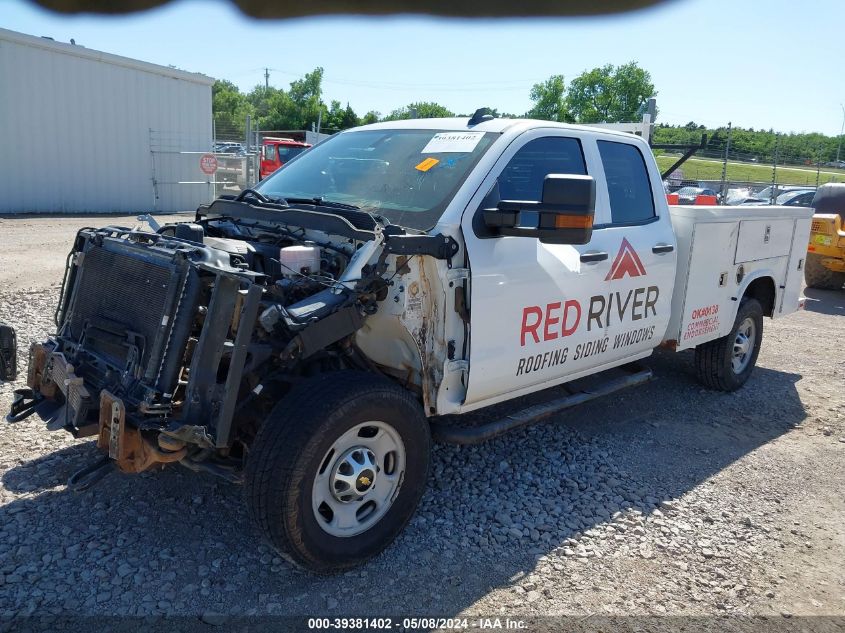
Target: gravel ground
[(663, 500)]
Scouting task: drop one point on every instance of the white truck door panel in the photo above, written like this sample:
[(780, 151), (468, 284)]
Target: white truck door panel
[(763, 239), (634, 293), (542, 312)]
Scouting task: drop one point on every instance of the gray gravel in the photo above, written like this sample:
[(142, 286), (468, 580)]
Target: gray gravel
[(667, 499)]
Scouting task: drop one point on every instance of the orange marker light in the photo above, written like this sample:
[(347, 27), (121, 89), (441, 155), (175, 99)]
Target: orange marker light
[(573, 221)]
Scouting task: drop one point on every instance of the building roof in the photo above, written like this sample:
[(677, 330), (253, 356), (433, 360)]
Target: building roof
[(107, 58)]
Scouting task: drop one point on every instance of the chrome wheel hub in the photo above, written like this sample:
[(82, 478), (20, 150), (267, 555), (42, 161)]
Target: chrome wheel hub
[(743, 346), (358, 479), (353, 474)]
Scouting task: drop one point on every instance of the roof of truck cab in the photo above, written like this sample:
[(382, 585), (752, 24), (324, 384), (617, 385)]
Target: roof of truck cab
[(461, 124), (270, 140)]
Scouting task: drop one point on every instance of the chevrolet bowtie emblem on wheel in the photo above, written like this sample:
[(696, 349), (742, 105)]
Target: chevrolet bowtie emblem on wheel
[(363, 480), (627, 262)]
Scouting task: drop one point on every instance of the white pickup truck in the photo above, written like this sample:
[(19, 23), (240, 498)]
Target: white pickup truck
[(308, 336)]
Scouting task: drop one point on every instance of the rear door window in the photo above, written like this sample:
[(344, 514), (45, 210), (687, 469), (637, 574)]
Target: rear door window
[(631, 198)]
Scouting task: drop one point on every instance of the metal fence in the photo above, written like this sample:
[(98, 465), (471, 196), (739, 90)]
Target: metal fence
[(184, 173), (733, 176)]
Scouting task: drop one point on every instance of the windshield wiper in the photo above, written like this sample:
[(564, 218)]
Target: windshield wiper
[(319, 202)]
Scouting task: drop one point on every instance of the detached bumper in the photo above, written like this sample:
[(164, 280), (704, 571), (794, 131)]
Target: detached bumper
[(60, 398)]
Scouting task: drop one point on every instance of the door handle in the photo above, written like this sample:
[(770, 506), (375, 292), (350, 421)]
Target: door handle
[(660, 249), (593, 257)]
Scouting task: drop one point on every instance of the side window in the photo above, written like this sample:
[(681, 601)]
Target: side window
[(522, 178), (805, 199), (269, 152), (631, 198)]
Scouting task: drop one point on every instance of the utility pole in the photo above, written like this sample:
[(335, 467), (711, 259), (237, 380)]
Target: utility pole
[(725, 167), (266, 79), (841, 131)]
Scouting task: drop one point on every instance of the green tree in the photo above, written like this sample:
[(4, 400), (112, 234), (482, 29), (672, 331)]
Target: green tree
[(295, 109), (333, 117), (230, 108), (371, 117), (610, 94), (337, 118), (419, 110), (349, 118), (549, 99)]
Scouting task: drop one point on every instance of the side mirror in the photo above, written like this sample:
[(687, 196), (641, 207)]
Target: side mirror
[(564, 215)]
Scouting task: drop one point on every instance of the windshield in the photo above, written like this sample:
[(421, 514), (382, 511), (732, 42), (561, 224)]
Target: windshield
[(286, 152), (790, 195), (407, 176)]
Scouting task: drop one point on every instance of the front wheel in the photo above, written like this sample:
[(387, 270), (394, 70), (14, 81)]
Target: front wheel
[(338, 469), (726, 363)]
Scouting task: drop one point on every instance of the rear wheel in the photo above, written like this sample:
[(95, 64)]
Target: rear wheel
[(726, 363), (338, 469), (817, 276)]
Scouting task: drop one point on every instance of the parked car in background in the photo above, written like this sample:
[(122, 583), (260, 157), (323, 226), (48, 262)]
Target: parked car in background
[(687, 195), (766, 196), (275, 152), (738, 195), (800, 198), (230, 148)]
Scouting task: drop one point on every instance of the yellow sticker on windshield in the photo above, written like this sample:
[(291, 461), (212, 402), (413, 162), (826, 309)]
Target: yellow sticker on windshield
[(427, 164)]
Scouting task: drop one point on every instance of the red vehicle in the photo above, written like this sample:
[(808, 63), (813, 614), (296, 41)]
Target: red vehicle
[(275, 152)]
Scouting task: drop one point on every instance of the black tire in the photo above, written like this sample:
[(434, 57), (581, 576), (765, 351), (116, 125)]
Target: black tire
[(713, 360), (291, 447), (817, 276)]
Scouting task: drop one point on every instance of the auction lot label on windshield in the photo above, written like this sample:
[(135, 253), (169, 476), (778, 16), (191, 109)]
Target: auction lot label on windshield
[(452, 142)]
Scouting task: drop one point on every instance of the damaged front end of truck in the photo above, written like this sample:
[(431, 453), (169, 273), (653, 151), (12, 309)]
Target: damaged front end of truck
[(172, 346)]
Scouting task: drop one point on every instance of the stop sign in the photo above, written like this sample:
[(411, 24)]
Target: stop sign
[(208, 163)]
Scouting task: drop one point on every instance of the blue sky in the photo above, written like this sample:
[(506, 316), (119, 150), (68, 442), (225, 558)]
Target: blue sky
[(758, 63)]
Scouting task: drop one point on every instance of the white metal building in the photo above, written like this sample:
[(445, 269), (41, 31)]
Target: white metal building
[(86, 131)]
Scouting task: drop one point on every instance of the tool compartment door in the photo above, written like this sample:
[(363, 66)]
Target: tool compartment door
[(791, 293), (763, 239), (708, 291)]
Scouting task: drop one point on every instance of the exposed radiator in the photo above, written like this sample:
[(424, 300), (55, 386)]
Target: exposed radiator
[(120, 304)]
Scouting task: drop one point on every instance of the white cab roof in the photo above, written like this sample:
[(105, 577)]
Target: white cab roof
[(461, 124)]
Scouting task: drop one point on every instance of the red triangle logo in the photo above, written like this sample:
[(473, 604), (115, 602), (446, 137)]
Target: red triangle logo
[(627, 262)]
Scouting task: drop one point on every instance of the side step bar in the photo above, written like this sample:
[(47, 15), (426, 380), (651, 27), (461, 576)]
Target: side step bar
[(477, 434)]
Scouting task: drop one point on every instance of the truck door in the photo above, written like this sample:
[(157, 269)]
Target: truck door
[(541, 314)]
